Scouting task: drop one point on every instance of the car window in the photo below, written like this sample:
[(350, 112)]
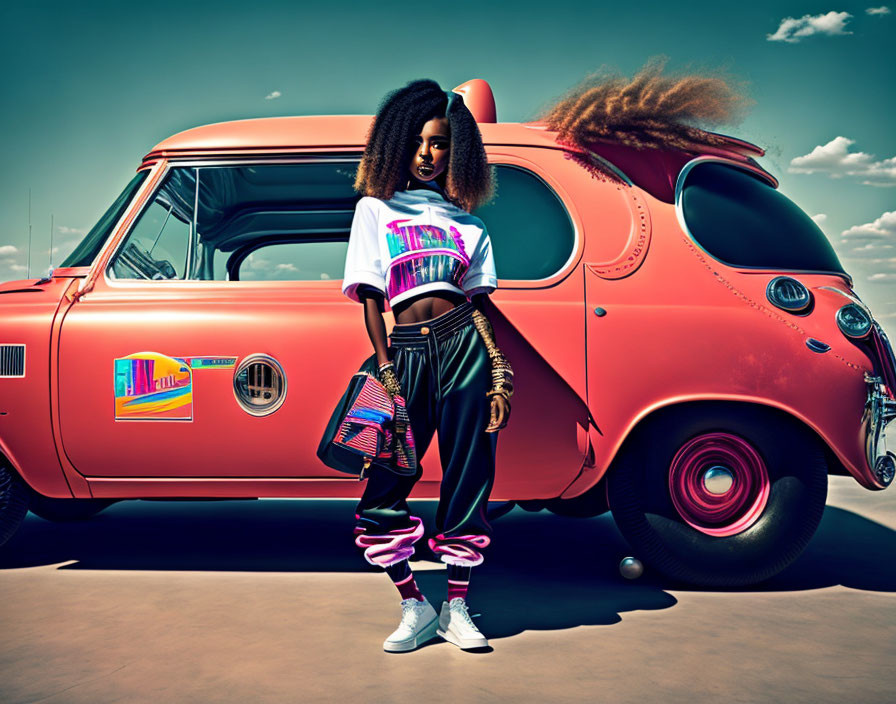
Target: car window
[(741, 220), (291, 261), (259, 222), (291, 222), (531, 232), (156, 247), (89, 247)]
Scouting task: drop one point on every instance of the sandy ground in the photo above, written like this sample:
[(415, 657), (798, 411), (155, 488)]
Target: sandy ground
[(267, 601)]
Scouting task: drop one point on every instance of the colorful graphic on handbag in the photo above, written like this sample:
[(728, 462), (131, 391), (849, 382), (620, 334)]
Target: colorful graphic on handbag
[(364, 428), (377, 427)]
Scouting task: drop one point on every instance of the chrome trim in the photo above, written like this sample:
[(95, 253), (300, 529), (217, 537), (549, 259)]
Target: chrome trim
[(194, 229), (817, 345), (879, 412), (278, 385), (253, 160), (718, 479), (10, 361), (679, 214), (850, 296), (838, 317), (563, 271)]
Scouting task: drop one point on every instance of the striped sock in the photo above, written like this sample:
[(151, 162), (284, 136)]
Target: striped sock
[(458, 581), (401, 575)]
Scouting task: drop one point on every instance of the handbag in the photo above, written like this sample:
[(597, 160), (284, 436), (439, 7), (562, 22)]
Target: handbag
[(368, 427)]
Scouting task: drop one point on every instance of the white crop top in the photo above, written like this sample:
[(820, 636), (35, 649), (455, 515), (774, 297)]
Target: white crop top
[(416, 242)]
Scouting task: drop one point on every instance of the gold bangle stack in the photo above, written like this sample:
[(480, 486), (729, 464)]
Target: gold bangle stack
[(502, 374), (390, 381)]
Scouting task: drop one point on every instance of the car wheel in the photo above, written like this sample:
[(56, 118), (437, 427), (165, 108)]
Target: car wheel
[(13, 503), (51, 509), (719, 495)]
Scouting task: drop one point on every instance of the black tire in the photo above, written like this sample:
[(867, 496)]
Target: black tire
[(65, 510), (642, 505), (13, 503), (590, 504)]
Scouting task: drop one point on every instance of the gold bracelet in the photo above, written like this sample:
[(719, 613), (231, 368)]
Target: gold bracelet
[(502, 374), (504, 393), (390, 381)]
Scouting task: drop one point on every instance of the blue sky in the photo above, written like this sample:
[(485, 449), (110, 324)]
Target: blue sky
[(90, 87)]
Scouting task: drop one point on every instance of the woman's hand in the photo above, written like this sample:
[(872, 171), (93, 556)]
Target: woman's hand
[(500, 413)]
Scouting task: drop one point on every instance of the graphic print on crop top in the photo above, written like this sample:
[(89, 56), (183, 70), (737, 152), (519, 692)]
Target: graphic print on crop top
[(422, 254)]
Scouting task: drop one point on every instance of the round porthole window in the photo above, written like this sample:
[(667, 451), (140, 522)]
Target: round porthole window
[(259, 384)]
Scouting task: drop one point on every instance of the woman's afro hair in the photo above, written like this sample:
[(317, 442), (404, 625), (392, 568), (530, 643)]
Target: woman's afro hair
[(647, 111), (390, 146)]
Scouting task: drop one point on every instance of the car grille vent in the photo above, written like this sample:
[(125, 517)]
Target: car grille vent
[(12, 360)]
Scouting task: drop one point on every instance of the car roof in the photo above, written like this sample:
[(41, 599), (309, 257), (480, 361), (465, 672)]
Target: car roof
[(284, 134), (654, 170)]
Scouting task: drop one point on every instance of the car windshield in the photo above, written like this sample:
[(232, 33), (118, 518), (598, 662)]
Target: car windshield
[(89, 247), (742, 221)]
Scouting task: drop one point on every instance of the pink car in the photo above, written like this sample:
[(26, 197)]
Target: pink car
[(688, 350)]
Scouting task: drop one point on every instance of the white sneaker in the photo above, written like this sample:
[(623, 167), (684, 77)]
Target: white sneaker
[(456, 626), (419, 622)]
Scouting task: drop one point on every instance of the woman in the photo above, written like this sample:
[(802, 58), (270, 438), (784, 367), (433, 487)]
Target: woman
[(414, 243)]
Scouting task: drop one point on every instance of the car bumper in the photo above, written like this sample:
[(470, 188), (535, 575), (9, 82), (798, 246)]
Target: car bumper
[(880, 412)]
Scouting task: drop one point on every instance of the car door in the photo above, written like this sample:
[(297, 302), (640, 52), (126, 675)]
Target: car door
[(538, 240), (217, 340)]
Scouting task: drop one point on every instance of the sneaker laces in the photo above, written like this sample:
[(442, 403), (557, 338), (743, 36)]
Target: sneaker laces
[(460, 607), (410, 612)]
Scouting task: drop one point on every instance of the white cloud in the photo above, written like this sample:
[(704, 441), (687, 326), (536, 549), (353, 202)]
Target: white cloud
[(867, 254), (286, 267), (72, 230), (7, 249), (792, 30), (820, 218), (273, 95), (883, 277), (883, 10), (882, 228), (835, 159), (324, 275)]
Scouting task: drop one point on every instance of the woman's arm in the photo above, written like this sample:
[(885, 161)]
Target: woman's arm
[(502, 374)]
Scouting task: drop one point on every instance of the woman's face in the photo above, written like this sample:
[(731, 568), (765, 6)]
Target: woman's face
[(432, 148)]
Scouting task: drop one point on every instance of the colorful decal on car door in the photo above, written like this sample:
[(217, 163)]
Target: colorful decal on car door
[(152, 386), (212, 362)]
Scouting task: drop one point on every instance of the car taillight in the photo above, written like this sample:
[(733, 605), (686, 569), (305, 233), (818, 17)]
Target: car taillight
[(788, 294), (853, 321)]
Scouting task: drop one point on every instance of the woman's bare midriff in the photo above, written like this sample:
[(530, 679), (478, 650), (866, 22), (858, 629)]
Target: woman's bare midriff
[(427, 306)]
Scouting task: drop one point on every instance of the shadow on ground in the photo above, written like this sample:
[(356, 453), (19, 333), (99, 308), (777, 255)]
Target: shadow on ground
[(559, 572)]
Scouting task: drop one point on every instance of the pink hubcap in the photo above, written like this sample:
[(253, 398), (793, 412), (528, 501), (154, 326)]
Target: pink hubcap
[(718, 483)]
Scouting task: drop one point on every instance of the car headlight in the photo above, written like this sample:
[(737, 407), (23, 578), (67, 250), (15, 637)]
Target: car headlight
[(853, 321), (788, 294)]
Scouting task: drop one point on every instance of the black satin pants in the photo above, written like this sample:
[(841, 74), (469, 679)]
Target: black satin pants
[(444, 370)]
